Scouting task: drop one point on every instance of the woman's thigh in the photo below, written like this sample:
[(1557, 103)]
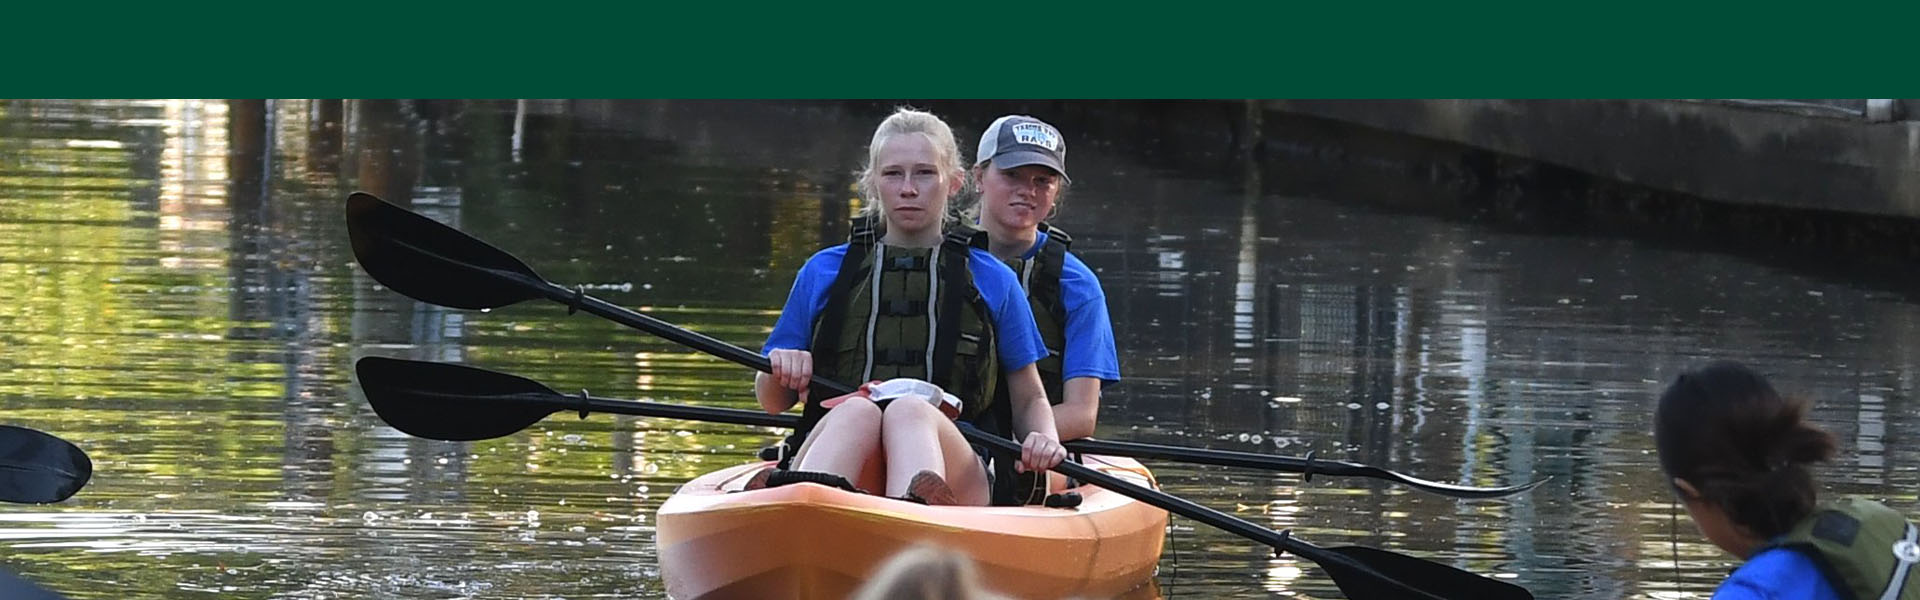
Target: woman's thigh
[(849, 429), (959, 463), (965, 473)]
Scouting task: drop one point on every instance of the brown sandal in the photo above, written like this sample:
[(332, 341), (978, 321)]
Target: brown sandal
[(759, 479), (931, 489)]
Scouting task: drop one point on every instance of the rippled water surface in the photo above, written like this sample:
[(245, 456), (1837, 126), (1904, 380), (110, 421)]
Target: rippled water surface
[(177, 297)]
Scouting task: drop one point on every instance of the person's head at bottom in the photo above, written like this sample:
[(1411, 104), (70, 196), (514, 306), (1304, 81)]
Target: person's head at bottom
[(926, 573)]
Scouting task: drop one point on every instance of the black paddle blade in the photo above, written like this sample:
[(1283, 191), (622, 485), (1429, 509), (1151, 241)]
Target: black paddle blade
[(37, 468), (431, 262), (1365, 573), (450, 402)]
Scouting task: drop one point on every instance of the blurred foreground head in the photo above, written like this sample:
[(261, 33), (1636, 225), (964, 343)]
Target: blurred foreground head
[(926, 573)]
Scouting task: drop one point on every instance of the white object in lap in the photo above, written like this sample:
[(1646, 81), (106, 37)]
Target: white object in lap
[(897, 388)]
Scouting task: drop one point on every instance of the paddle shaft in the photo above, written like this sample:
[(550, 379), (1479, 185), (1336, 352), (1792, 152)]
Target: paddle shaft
[(1082, 446), (743, 357), (734, 416), (575, 299), (1280, 540), (1225, 458)]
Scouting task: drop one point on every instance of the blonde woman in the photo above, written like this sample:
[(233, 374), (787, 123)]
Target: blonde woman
[(909, 296)]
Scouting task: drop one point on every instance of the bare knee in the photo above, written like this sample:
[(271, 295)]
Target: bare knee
[(911, 414), (857, 418), (855, 411)]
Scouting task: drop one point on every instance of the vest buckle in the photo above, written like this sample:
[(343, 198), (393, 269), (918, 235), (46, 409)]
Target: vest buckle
[(907, 262)]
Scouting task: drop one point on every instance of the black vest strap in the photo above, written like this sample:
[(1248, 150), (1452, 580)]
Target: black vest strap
[(954, 252), (1056, 234), (1050, 308), (1053, 258)]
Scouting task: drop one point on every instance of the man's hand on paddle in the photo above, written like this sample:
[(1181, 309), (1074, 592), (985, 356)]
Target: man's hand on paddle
[(793, 370), (1040, 453)]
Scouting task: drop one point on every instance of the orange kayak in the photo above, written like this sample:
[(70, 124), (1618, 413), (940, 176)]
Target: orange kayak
[(816, 542)]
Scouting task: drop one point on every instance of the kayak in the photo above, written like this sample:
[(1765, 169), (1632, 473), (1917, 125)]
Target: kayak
[(811, 541)]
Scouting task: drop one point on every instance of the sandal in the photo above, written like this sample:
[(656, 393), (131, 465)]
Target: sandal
[(931, 489), (759, 479)]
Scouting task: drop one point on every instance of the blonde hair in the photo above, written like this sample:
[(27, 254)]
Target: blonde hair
[(926, 573), (906, 121)]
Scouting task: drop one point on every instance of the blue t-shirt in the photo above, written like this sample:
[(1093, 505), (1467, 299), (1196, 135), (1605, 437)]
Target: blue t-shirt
[(1018, 341), (1089, 333), (1777, 574)]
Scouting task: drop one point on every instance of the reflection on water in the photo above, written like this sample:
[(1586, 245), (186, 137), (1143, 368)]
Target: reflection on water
[(181, 303)]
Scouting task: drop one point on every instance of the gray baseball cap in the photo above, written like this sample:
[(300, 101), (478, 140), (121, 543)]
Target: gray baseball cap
[(1019, 140)]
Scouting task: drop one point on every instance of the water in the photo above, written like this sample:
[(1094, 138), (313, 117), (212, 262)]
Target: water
[(179, 300)]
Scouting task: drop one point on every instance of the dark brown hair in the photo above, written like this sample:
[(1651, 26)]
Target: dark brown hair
[(1746, 448)]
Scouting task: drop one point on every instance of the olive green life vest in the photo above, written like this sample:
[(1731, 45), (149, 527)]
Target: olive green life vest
[(1040, 277), (1867, 550), (909, 312)]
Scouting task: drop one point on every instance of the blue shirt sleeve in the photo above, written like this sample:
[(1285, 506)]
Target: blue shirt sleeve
[(1740, 590), (1777, 574), (1014, 332), (794, 329), (1089, 332)]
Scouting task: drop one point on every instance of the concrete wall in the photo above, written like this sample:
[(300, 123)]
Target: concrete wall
[(1722, 151)]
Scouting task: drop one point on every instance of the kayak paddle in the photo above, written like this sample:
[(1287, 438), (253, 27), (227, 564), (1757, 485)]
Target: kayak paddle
[(429, 261), (433, 263)]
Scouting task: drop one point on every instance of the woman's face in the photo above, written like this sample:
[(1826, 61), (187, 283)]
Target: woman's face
[(913, 192), (1018, 198)]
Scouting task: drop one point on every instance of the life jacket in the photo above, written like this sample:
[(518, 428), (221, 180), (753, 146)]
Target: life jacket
[(1866, 550), (910, 312), (1040, 277)]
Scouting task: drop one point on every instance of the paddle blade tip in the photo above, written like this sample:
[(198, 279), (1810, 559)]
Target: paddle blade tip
[(362, 205), (453, 403), (433, 262), (39, 468), (1364, 572)]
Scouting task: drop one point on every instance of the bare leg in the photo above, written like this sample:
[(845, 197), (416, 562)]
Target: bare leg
[(843, 440), (918, 438)]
